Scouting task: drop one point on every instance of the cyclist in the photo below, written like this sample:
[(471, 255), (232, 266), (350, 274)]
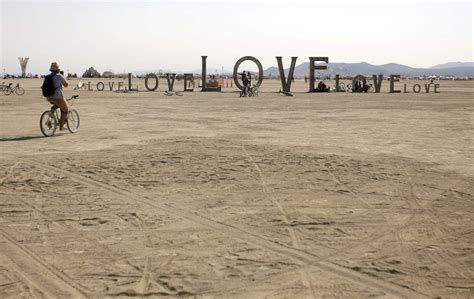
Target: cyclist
[(58, 98)]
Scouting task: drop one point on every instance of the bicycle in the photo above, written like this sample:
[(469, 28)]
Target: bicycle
[(17, 89), (49, 120), (253, 91), (250, 91), (3, 86), (349, 87), (370, 88), (342, 86)]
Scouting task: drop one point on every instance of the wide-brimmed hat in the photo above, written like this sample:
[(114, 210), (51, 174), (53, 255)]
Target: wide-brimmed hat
[(54, 67)]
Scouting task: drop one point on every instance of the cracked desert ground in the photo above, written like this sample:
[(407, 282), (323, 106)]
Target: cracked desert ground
[(208, 195)]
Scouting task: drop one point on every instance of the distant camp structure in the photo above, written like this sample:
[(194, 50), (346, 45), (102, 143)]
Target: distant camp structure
[(108, 74), (23, 63), (91, 73)]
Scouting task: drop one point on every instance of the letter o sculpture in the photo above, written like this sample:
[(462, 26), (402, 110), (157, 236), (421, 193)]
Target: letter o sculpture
[(151, 75), (236, 68), (100, 83), (359, 77), (416, 88)]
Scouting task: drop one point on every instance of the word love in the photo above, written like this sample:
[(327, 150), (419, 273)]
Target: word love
[(415, 88), (377, 80), (315, 63), (110, 86), (286, 82)]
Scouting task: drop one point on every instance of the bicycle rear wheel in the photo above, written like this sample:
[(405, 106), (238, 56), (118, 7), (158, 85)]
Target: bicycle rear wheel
[(48, 123), (7, 90), (20, 91), (73, 121)]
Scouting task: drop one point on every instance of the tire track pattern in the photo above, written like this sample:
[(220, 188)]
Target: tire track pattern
[(294, 240), (302, 257), (50, 281)]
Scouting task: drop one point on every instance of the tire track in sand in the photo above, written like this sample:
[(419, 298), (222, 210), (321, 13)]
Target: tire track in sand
[(305, 276), (34, 270), (434, 221), (8, 173), (304, 258)]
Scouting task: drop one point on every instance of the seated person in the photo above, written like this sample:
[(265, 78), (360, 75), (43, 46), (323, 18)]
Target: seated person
[(322, 87), (213, 82)]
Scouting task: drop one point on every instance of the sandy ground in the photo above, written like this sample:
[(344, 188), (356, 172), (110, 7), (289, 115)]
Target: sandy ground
[(208, 195)]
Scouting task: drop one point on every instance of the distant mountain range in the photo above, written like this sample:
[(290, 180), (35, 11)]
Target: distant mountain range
[(453, 64), (457, 69)]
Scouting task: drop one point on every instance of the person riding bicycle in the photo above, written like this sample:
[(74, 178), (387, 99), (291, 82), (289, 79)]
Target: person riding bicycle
[(58, 98)]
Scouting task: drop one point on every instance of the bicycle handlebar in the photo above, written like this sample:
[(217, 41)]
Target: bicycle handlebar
[(73, 97)]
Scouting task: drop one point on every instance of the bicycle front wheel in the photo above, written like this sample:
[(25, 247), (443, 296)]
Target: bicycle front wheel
[(7, 90), (20, 91), (73, 121), (48, 123)]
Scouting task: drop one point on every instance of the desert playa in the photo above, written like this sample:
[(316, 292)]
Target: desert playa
[(208, 195)]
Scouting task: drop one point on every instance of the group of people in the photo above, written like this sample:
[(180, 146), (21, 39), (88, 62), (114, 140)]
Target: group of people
[(360, 86), (322, 87), (246, 78)]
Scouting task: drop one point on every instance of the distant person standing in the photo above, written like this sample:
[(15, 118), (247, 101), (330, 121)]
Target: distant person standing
[(54, 82), (245, 83), (357, 86)]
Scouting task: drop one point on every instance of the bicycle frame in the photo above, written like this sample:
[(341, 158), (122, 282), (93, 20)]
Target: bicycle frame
[(54, 111), (54, 108), (49, 119)]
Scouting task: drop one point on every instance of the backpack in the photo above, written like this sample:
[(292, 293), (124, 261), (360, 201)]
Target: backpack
[(48, 86)]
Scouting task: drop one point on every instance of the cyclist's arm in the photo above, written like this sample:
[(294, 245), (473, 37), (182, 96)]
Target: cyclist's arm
[(63, 81)]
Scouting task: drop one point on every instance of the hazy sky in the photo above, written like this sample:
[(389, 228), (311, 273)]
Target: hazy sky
[(149, 35)]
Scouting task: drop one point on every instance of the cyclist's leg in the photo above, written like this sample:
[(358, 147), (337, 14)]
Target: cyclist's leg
[(244, 90), (62, 104)]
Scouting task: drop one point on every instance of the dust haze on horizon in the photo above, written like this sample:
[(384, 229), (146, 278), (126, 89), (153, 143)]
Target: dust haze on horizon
[(128, 36)]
